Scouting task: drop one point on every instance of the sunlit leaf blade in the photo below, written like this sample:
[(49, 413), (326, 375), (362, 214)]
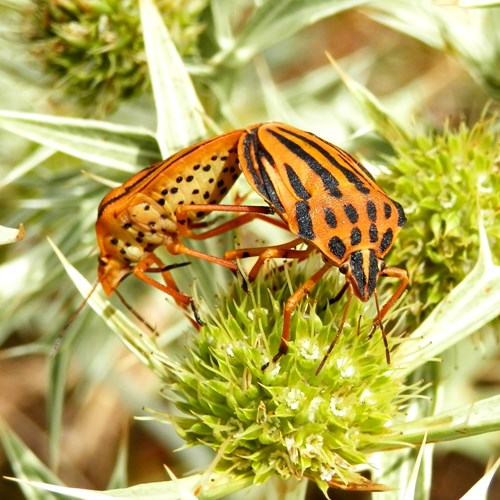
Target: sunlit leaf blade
[(119, 477), (28, 164), (118, 146), (179, 111), (178, 489), (275, 21), (11, 235), (410, 491), (384, 122), (420, 20), (58, 371), (25, 464), (465, 421), (468, 307), (442, 26)]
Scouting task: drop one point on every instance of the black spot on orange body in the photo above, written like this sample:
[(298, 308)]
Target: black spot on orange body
[(401, 214), (387, 210), (386, 241), (330, 218), (371, 211), (351, 212), (373, 233), (303, 216), (355, 236), (337, 247)]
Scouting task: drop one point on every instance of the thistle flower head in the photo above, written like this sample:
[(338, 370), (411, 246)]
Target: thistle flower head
[(286, 420), (445, 182), (94, 49)]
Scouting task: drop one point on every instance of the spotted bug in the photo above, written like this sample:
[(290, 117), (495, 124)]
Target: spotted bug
[(330, 202), (140, 215)]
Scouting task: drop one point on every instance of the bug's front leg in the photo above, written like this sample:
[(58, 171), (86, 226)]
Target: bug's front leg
[(292, 302)]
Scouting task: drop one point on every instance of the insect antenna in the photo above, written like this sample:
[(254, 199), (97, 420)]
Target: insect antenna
[(134, 313), (339, 331), (58, 341), (382, 330)]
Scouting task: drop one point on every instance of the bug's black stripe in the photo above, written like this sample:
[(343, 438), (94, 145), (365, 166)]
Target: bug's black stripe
[(373, 271), (337, 247), (352, 161), (296, 184), (356, 261), (371, 210), (351, 212), (387, 210), (329, 182), (145, 172), (355, 236), (302, 213), (249, 149), (330, 218), (350, 176), (401, 214), (272, 195), (386, 240)]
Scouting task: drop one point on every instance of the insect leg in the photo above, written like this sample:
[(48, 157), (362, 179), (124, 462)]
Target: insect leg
[(283, 251), (249, 213), (291, 304), (170, 288), (392, 272), (175, 247)]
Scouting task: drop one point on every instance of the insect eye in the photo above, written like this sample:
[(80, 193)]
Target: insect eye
[(344, 268), (381, 266), (102, 261)]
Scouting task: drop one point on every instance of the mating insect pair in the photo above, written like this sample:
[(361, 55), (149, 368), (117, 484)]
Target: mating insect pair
[(322, 195)]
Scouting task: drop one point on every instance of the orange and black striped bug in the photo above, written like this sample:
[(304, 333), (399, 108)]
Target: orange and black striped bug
[(138, 216), (144, 213), (330, 202)]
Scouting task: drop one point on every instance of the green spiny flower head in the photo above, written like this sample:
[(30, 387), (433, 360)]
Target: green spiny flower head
[(94, 48), (286, 420), (445, 182)]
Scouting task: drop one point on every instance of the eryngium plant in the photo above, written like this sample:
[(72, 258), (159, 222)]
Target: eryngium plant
[(285, 419)]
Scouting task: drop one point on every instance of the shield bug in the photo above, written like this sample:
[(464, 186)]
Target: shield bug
[(140, 215), (332, 204)]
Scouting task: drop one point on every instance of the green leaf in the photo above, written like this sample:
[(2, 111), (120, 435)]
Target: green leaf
[(142, 346), (473, 303), (28, 164), (119, 477), (384, 122), (468, 420), (181, 489), (25, 464), (273, 22), (118, 146), (179, 111)]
